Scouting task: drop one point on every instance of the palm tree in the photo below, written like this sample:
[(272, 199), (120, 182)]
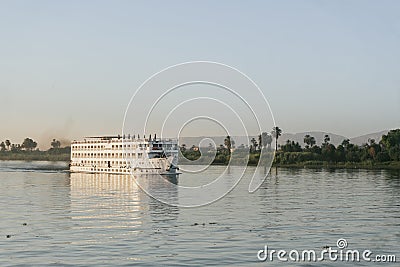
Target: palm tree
[(228, 143), (2, 146), (266, 140), (312, 141), (309, 140), (276, 132), (254, 144), (306, 140), (29, 144), (345, 143), (55, 144), (8, 144), (326, 139), (371, 141)]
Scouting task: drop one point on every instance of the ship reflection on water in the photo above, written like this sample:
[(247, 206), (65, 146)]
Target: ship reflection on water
[(116, 201)]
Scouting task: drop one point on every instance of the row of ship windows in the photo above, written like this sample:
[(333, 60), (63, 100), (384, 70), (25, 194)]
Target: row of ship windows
[(108, 164), (100, 162), (101, 147), (117, 141), (105, 155), (113, 170), (112, 147)]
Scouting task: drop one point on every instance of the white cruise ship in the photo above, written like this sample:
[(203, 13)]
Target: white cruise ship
[(124, 155)]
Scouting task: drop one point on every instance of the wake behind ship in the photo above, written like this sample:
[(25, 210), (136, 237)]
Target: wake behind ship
[(124, 155)]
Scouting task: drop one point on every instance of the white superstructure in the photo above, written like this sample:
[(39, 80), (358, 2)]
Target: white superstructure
[(124, 155)]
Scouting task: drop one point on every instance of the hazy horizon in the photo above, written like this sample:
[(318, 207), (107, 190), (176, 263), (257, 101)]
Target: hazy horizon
[(70, 68)]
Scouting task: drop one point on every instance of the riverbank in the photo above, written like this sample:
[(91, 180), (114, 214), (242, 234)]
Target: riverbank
[(35, 156), (391, 165), (51, 156)]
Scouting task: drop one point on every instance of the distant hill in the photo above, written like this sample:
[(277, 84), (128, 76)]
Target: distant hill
[(297, 137), (359, 140)]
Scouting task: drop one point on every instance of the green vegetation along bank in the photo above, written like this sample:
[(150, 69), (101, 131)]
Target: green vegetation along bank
[(382, 154), (27, 150)]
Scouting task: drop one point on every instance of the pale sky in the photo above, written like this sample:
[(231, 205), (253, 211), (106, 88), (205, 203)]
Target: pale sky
[(69, 68)]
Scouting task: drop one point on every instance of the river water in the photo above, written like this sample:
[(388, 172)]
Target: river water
[(50, 217)]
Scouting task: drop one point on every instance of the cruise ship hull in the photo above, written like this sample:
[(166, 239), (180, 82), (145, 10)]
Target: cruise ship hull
[(83, 169)]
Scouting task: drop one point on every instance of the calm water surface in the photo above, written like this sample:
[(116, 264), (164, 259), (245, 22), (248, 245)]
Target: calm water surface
[(95, 220)]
